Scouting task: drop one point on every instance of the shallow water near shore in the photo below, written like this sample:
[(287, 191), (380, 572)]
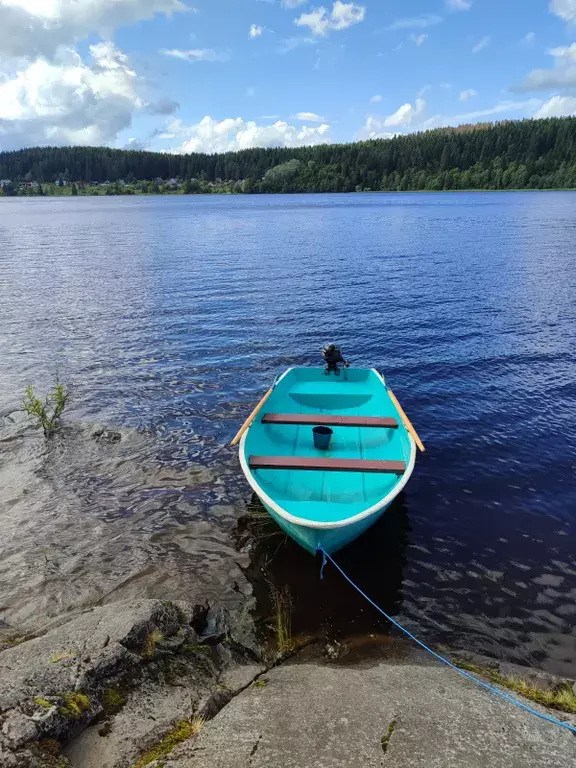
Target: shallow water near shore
[(171, 315)]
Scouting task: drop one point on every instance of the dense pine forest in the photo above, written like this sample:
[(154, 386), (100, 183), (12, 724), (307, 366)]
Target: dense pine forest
[(528, 154)]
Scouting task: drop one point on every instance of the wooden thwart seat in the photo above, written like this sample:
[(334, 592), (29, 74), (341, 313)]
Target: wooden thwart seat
[(324, 420), (327, 465)]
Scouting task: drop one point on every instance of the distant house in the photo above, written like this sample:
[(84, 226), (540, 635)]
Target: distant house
[(5, 183), (172, 182), (159, 180), (122, 182)]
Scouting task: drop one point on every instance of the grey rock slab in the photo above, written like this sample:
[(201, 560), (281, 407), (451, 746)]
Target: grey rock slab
[(149, 713), (317, 715)]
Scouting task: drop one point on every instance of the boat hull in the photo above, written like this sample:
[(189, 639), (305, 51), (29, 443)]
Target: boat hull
[(331, 539), (327, 496)]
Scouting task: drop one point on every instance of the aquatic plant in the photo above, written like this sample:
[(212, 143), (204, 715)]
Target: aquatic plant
[(48, 412), (181, 732), (282, 602)]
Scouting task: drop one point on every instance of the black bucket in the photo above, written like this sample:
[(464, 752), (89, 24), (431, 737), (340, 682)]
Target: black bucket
[(322, 437)]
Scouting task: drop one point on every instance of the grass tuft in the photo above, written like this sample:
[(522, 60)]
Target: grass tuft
[(561, 697), (112, 701), (183, 731), (152, 640), (282, 602), (75, 704), (43, 703), (385, 740), (61, 656), (48, 412)]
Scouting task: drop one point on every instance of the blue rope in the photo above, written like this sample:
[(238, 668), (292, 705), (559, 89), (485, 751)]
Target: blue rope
[(481, 683)]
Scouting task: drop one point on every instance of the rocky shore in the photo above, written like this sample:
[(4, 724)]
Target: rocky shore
[(150, 683)]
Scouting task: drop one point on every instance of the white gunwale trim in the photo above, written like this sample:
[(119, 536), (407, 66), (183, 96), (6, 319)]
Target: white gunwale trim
[(303, 522)]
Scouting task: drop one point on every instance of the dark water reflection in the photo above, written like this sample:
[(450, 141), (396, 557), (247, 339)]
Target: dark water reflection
[(171, 315)]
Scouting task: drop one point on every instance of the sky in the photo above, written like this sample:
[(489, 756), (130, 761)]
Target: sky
[(218, 75)]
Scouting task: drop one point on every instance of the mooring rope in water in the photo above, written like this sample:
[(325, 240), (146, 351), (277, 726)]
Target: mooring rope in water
[(467, 675)]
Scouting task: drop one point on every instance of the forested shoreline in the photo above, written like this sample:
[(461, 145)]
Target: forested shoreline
[(527, 154)]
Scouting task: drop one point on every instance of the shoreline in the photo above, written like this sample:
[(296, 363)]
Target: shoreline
[(285, 194), (151, 683)]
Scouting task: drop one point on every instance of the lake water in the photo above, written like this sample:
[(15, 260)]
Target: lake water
[(171, 315)]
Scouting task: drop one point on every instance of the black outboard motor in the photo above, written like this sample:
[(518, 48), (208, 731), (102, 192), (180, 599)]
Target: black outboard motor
[(332, 355)]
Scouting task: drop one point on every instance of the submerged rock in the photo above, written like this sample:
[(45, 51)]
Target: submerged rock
[(107, 436)]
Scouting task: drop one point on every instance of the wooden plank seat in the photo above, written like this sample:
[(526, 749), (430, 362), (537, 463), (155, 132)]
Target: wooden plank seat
[(327, 465), (326, 420)]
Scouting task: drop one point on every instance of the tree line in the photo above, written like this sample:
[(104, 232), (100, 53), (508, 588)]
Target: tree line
[(525, 154)]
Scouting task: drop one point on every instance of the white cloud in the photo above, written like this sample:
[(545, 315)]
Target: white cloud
[(232, 134), (373, 128), (563, 75), (418, 39), (416, 22), (292, 43), (558, 106), (68, 101), (376, 99), (459, 5), (484, 42), (196, 54), (409, 117), (379, 127), (566, 9), (468, 94), (310, 117), (32, 28), (503, 107), (321, 21), (255, 30), (528, 38), (293, 3)]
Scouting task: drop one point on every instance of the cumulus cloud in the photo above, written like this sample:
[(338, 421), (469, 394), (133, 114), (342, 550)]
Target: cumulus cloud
[(379, 127), (484, 42), (558, 106), (375, 99), (232, 134), (566, 9), (68, 101), (163, 107), (255, 31), (563, 75), (33, 28), (196, 54), (321, 21), (468, 94)]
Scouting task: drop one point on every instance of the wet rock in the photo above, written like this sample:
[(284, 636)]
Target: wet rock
[(107, 436)]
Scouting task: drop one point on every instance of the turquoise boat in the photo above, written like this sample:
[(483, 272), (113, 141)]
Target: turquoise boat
[(325, 497)]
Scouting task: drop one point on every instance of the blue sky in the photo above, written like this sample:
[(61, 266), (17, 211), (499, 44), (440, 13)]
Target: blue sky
[(211, 75)]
